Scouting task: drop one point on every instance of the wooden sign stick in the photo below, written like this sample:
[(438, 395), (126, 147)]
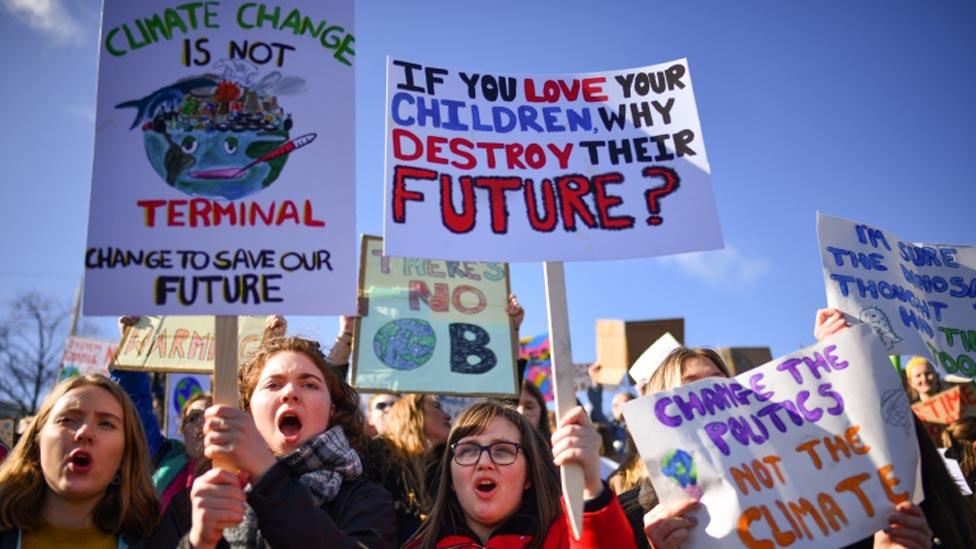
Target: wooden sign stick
[(225, 370), (564, 383)]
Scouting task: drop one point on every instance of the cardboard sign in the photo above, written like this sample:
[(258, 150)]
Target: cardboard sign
[(86, 356), (620, 343), (7, 427), (179, 389), (811, 450), (181, 343), (743, 359), (223, 179), (947, 407), (920, 298), (585, 166), (538, 368), (433, 326)]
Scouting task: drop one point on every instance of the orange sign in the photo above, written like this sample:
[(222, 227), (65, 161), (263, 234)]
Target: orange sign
[(948, 406)]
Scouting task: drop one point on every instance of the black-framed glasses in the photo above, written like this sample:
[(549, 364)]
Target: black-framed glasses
[(500, 453)]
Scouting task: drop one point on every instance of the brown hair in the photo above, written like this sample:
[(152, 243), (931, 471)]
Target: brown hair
[(543, 492), (950, 515), (543, 425), (128, 508), (207, 398), (345, 399), (959, 439), (665, 378)]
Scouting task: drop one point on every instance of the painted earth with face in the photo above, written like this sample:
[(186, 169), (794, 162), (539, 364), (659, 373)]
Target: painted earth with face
[(206, 136)]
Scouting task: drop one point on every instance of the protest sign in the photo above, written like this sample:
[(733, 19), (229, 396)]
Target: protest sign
[(947, 407), (585, 166), (620, 344), (813, 449), (433, 326), (181, 343), (920, 298), (86, 356), (180, 388), (224, 160), (650, 360)]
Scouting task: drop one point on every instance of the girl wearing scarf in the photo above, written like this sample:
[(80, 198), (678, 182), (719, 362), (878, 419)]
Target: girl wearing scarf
[(293, 441)]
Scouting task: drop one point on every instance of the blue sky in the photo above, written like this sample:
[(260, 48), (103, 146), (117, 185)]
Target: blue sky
[(862, 110)]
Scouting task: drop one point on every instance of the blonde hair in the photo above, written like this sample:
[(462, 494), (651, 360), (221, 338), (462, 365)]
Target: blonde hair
[(129, 507), (405, 436), (665, 378), (541, 473)]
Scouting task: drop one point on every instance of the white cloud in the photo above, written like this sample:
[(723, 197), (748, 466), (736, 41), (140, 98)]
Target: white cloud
[(50, 17), (726, 268)]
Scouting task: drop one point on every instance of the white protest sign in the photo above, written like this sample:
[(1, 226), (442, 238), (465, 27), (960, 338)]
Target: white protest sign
[(86, 356), (811, 450), (650, 359), (180, 388), (223, 178), (920, 298), (586, 166)]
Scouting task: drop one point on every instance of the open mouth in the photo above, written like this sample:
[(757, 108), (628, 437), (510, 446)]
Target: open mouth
[(290, 425), (485, 488), (219, 173), (79, 461)]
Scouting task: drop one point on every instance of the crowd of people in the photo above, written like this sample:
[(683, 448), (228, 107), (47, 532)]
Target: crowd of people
[(304, 460)]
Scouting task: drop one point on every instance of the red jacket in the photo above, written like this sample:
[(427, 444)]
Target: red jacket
[(603, 527)]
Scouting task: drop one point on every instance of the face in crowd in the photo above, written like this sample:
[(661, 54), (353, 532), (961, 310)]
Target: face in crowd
[(617, 406), (291, 402), (192, 426), (379, 409), (529, 407), (437, 422), (922, 378), (82, 444)]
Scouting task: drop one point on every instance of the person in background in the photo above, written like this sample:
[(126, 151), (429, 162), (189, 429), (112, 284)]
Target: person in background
[(618, 424), (378, 409), (532, 405), (79, 476), (274, 326), (416, 431), (923, 381), (500, 486), (959, 440), (293, 442)]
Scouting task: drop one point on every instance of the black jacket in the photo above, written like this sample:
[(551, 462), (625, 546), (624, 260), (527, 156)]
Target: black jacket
[(361, 514)]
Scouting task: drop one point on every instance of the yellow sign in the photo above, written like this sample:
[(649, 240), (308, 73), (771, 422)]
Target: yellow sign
[(433, 326), (181, 343)]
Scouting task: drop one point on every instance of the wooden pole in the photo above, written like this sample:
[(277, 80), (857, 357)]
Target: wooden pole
[(225, 370), (564, 383)]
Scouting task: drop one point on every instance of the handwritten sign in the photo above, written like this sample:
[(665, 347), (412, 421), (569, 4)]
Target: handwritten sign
[(813, 449), (224, 163), (588, 166), (920, 298), (181, 343), (179, 389), (433, 326), (947, 407), (86, 356)]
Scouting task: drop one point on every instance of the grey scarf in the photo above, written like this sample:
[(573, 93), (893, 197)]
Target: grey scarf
[(323, 462)]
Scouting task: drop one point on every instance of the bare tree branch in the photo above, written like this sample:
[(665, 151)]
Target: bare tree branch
[(33, 329)]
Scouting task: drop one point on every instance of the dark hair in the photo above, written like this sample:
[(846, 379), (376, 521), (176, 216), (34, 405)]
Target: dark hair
[(345, 399), (950, 516), (543, 491), (543, 425)]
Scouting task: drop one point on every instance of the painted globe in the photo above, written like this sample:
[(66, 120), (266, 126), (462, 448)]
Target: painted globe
[(405, 344)]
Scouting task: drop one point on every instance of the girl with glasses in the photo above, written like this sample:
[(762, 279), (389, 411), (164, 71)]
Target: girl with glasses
[(500, 487)]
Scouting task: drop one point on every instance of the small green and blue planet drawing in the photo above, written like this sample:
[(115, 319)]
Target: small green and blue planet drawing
[(679, 466), (405, 343), (218, 136), (184, 391)]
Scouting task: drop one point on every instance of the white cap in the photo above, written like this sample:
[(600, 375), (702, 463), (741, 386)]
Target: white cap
[(650, 359)]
